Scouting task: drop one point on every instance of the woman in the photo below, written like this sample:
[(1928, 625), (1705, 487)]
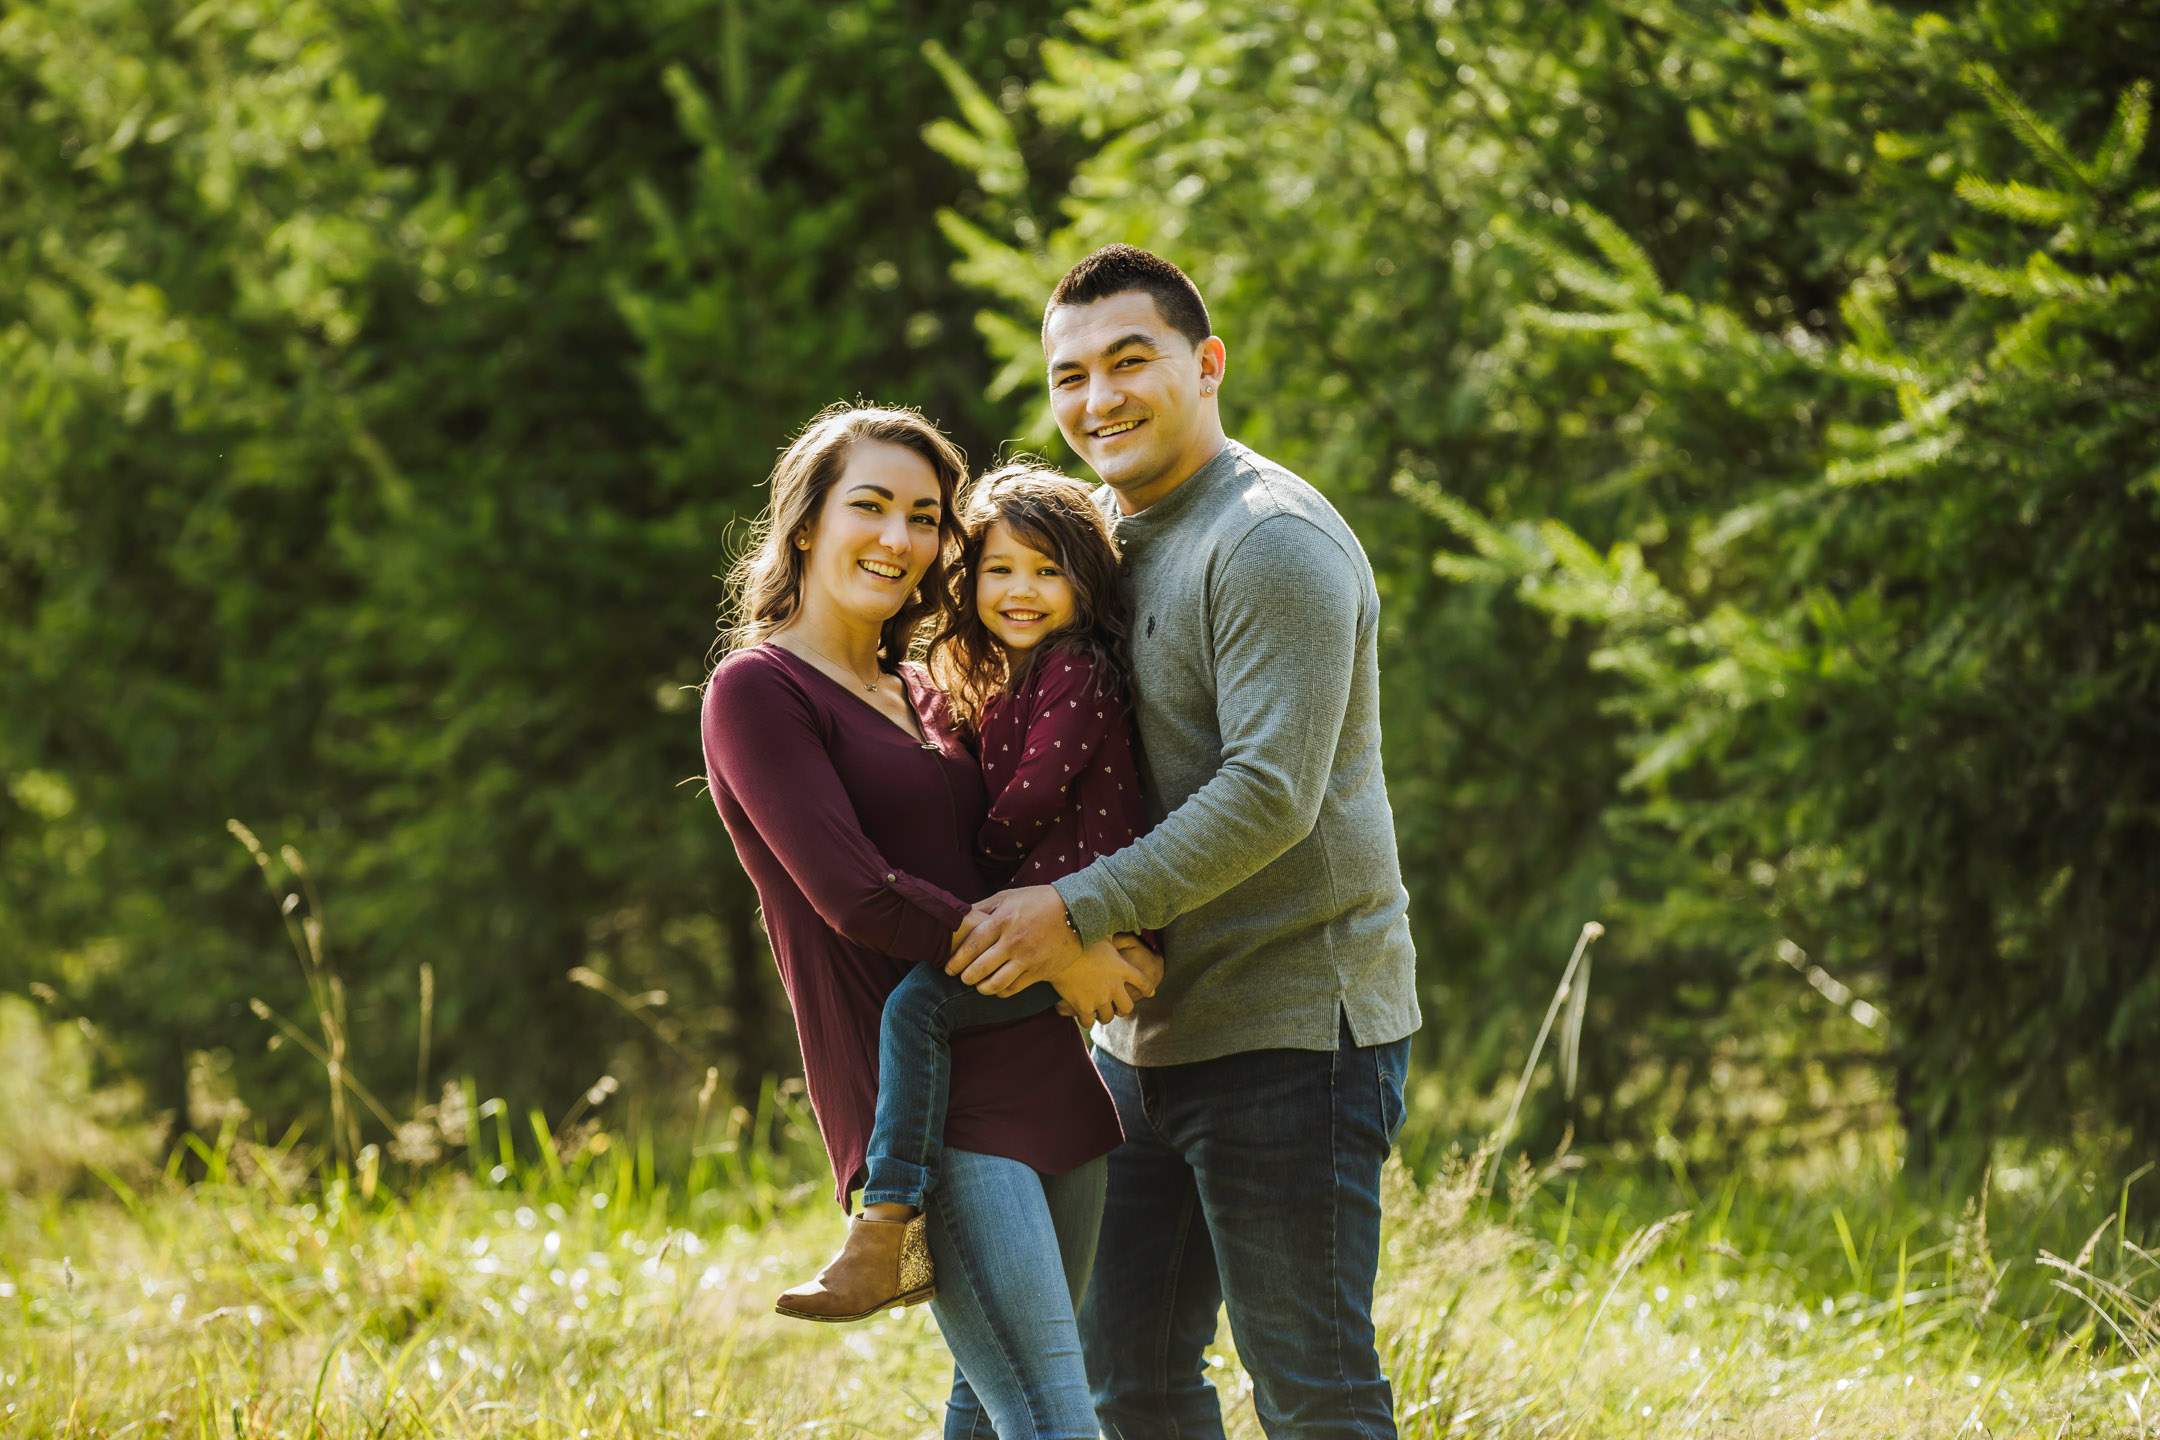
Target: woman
[(854, 808)]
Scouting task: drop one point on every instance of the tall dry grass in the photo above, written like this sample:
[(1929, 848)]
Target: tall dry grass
[(581, 1298), (482, 1274)]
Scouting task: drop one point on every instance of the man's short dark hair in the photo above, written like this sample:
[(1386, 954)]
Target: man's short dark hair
[(1115, 269)]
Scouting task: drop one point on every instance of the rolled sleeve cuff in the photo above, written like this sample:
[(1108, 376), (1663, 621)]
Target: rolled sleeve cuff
[(924, 929), (1098, 905)]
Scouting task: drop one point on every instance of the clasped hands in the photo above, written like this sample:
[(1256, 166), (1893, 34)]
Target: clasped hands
[(1018, 937)]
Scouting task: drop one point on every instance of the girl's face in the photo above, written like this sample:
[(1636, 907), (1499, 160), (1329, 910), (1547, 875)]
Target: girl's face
[(1021, 594), (876, 534)]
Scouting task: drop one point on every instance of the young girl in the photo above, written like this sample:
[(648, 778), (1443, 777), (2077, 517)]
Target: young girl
[(1031, 665)]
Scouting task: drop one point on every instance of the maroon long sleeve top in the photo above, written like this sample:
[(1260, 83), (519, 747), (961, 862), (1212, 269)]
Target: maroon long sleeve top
[(1057, 754), (860, 840)]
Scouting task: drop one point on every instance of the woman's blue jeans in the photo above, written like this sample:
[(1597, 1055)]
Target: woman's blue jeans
[(1013, 1249), (915, 1075)]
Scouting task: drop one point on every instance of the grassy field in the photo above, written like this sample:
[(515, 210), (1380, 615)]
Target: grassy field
[(589, 1297)]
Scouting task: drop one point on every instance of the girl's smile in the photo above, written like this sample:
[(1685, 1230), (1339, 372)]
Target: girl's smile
[(1021, 595)]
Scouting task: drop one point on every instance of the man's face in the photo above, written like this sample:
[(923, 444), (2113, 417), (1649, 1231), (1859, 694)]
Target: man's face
[(1127, 390)]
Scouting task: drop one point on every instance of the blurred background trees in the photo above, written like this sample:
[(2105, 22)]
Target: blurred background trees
[(380, 387), (1753, 415), (1778, 392)]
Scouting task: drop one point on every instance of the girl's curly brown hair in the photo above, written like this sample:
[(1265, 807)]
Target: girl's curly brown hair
[(1054, 514)]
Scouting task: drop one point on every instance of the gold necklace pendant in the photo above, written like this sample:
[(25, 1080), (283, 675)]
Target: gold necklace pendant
[(871, 688)]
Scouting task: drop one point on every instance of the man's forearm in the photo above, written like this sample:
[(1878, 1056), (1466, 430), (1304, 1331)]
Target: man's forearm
[(1283, 642), (1097, 904), (1227, 833)]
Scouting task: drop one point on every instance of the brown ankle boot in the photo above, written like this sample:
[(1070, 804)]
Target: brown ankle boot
[(884, 1263)]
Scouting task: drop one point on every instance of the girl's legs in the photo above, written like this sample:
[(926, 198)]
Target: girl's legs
[(1014, 1249), (915, 1075), (873, 1270)]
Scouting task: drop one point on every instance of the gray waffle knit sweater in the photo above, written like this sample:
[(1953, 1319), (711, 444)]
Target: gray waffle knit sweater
[(1270, 869)]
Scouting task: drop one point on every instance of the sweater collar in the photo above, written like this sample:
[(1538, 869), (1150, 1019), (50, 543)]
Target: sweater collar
[(1158, 518)]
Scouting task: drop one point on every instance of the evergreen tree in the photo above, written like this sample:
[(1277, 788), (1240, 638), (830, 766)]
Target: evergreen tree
[(1794, 585)]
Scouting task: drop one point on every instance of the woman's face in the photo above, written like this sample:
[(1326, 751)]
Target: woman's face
[(876, 535)]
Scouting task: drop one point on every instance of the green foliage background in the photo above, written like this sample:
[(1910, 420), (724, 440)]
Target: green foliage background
[(1753, 414)]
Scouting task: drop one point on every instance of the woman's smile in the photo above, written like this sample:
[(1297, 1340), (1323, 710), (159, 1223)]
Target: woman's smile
[(876, 534)]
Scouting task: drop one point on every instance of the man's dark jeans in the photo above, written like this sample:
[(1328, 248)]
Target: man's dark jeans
[(1251, 1180)]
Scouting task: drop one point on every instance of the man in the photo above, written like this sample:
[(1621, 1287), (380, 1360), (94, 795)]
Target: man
[(1261, 1087)]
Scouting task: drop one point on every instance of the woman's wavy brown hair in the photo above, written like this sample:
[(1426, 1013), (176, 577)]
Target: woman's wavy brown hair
[(765, 582), (1055, 515)]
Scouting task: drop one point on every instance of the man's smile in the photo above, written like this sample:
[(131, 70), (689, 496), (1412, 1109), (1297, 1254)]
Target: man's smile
[(1118, 427)]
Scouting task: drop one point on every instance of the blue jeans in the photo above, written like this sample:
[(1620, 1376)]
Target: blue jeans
[(915, 1075), (1013, 1249), (1251, 1180)]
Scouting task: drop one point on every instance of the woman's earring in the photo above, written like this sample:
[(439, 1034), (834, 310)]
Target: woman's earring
[(802, 542)]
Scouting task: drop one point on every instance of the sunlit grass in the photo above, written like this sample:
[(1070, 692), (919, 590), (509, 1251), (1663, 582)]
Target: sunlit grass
[(588, 1297), (578, 1301), (1767, 1313)]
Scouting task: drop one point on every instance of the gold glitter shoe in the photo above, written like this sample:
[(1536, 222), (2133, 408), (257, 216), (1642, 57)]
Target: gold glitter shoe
[(884, 1263)]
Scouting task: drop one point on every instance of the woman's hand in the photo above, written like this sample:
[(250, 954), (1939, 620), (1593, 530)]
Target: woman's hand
[(975, 916), (1141, 956), (1103, 983)]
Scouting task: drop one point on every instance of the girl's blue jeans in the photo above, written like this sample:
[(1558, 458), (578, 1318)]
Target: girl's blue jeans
[(1013, 1250), (915, 1075)]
